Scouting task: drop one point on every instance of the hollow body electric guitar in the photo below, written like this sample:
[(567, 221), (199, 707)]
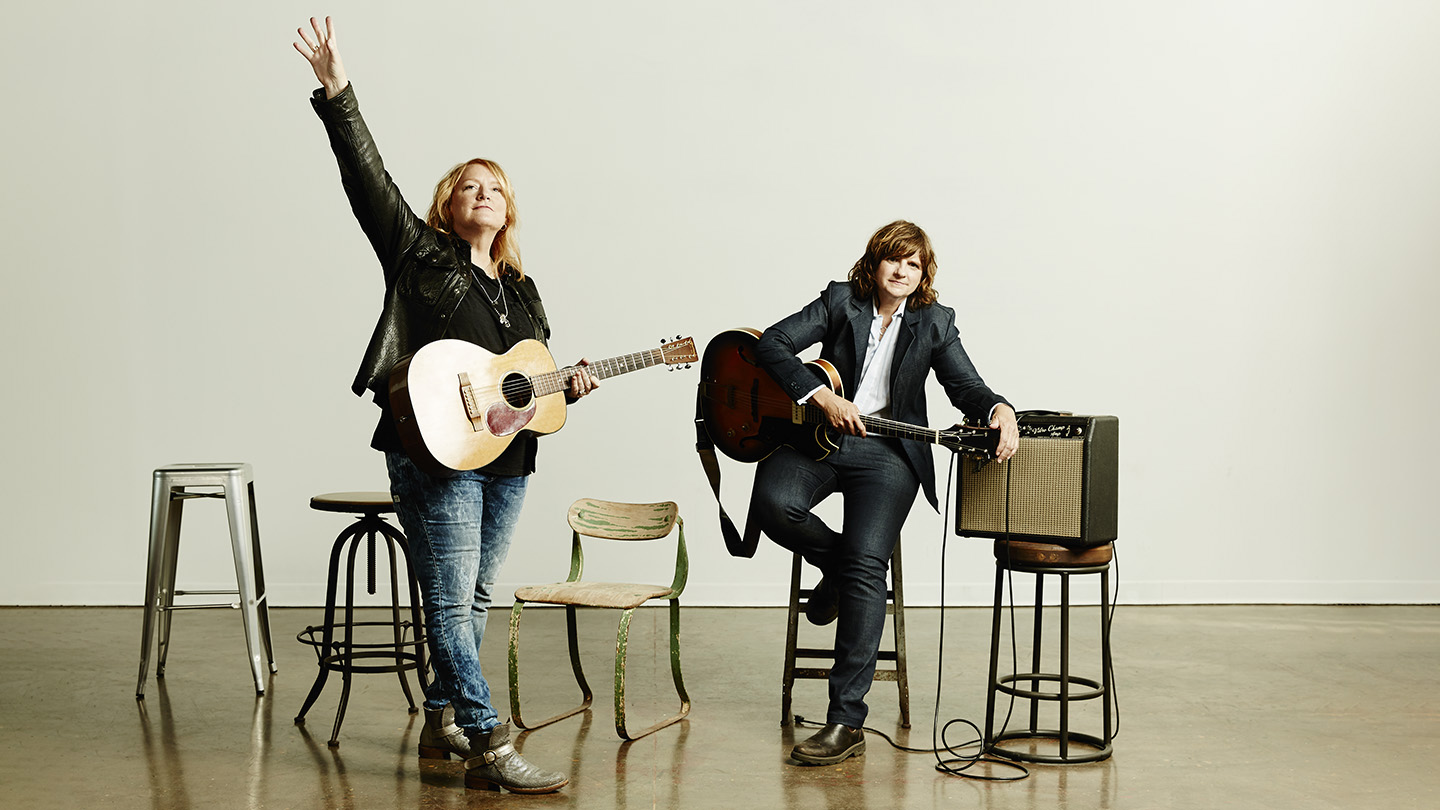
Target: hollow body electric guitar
[(748, 415), (458, 406)]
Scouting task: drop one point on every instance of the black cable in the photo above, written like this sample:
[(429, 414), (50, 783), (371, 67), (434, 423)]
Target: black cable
[(958, 763)]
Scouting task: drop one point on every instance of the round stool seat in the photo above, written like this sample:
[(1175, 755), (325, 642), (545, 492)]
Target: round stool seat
[(1051, 554), (370, 503)]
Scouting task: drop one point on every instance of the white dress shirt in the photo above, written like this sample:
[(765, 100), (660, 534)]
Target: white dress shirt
[(872, 396)]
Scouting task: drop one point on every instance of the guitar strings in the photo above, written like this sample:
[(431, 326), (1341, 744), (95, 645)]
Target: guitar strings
[(515, 386), (814, 415)]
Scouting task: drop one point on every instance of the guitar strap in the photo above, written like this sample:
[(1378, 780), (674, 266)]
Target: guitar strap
[(737, 545)]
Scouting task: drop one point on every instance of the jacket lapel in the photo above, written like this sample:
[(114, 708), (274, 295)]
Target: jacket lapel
[(861, 313), (903, 342)]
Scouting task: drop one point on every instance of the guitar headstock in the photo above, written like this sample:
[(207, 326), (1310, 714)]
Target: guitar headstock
[(971, 441), (679, 351)]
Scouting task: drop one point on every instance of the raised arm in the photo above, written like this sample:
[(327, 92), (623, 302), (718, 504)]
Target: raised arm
[(323, 54), (377, 204)]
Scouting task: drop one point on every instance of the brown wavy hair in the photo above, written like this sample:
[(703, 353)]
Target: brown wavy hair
[(897, 240), (504, 251)]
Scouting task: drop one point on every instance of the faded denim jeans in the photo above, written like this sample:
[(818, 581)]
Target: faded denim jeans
[(459, 530)]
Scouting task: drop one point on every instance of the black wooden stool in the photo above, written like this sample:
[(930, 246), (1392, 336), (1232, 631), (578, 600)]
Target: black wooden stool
[(406, 650), (1045, 559), (895, 606)]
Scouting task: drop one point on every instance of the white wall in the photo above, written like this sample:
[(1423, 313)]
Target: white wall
[(1216, 220)]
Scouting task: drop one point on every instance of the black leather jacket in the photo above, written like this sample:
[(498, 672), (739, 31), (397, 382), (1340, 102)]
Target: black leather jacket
[(425, 270)]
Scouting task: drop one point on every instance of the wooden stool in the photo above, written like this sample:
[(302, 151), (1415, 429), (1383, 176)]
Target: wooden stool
[(1045, 559), (345, 655), (895, 598), (173, 485)]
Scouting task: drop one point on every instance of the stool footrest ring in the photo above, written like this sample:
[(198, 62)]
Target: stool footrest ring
[(1100, 749), (1004, 685)]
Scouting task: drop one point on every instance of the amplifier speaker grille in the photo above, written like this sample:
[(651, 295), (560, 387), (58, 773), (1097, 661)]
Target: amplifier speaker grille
[(1062, 484), (1045, 486)]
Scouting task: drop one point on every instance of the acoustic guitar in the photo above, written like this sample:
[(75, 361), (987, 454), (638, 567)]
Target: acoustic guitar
[(748, 415), (458, 406)]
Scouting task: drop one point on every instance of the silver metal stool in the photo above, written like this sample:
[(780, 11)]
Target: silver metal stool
[(172, 487)]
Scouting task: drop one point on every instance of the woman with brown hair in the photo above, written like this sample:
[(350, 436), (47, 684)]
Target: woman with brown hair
[(885, 333)]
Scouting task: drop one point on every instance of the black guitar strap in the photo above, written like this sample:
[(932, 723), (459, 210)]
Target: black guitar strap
[(705, 447)]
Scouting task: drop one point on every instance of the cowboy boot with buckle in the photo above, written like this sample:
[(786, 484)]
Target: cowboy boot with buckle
[(495, 763)]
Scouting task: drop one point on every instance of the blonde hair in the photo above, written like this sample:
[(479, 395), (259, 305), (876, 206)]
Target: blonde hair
[(895, 241), (505, 250)]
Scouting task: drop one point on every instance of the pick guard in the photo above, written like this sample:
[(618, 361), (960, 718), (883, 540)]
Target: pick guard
[(503, 420)]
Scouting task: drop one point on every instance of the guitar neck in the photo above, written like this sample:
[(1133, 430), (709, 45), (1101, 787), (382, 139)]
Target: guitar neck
[(879, 426), (553, 382), (960, 441)]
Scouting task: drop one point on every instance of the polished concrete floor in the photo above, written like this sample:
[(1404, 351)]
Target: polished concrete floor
[(1244, 707)]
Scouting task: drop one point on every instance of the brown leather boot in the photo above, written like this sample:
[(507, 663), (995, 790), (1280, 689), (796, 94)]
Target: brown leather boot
[(495, 763), (440, 737)]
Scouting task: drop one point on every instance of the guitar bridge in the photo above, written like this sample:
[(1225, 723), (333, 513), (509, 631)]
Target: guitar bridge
[(472, 411)]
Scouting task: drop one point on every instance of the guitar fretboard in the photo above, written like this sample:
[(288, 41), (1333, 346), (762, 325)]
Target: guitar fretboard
[(552, 382), (879, 426)]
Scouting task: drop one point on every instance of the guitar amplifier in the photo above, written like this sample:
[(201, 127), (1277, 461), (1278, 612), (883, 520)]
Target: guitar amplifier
[(1062, 484)]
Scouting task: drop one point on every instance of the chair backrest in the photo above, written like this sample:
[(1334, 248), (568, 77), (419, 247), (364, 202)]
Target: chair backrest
[(622, 521)]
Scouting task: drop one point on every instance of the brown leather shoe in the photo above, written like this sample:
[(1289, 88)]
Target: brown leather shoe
[(824, 603), (830, 745)]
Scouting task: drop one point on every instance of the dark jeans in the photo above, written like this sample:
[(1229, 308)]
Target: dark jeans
[(879, 488), (459, 530)]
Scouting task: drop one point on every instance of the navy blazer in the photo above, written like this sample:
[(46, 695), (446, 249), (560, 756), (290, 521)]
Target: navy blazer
[(928, 340)]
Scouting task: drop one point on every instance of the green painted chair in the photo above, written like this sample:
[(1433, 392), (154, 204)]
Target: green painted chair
[(609, 521)]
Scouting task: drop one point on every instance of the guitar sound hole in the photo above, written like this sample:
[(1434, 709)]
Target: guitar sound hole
[(516, 390)]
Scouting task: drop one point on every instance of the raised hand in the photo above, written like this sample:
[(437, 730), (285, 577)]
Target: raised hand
[(323, 54)]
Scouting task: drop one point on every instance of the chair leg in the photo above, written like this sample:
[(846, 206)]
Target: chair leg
[(327, 638), (264, 606), (622, 643), (242, 543), (347, 641), (989, 741), (902, 676), (417, 621), (792, 630), (573, 636), (155, 565), (399, 633), (170, 555)]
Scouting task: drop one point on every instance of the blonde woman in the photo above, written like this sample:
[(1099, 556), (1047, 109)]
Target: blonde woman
[(456, 274)]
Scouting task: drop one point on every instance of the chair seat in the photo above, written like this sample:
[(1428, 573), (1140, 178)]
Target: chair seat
[(621, 595)]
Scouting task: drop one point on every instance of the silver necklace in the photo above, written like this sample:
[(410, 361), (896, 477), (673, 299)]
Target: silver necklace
[(500, 297)]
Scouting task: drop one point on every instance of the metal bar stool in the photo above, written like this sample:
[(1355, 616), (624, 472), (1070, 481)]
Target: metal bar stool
[(1046, 559), (405, 650), (895, 606), (173, 485)]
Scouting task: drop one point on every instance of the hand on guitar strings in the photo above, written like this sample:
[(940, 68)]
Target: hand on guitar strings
[(841, 412), (582, 381)]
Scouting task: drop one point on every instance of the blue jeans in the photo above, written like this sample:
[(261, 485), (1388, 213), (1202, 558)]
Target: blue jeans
[(459, 530), (879, 487)]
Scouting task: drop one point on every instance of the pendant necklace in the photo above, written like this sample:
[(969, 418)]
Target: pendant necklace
[(500, 297)]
